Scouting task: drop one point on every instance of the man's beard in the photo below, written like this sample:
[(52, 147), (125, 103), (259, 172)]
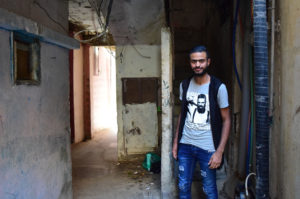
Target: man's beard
[(202, 73), (201, 109)]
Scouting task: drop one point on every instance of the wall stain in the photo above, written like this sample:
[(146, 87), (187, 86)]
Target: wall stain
[(1, 125), (21, 149), (135, 131), (64, 154), (298, 110), (11, 195), (66, 189)]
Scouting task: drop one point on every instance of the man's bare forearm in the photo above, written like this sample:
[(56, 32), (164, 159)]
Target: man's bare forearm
[(177, 130), (175, 141), (225, 129)]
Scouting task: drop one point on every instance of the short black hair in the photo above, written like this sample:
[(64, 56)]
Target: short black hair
[(200, 49), (201, 96)]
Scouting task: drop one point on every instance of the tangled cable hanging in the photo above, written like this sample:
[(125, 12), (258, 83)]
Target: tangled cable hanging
[(98, 12)]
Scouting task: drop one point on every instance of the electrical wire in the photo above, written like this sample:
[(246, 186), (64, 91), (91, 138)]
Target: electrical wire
[(233, 43), (93, 4), (88, 40), (252, 111), (252, 104), (108, 13), (46, 12), (246, 183), (144, 56), (103, 26), (248, 144)]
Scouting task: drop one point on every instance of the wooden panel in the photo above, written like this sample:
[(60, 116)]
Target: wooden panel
[(139, 90), (131, 91), (149, 90)]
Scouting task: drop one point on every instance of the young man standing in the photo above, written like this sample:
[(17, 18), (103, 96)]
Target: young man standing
[(203, 126)]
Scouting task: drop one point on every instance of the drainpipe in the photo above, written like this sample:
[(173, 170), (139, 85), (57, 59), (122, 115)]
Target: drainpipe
[(272, 58), (245, 97), (261, 98)]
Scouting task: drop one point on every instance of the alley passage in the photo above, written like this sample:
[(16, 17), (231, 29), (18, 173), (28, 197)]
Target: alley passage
[(98, 175)]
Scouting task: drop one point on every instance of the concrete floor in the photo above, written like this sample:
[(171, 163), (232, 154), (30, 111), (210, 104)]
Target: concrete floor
[(98, 175)]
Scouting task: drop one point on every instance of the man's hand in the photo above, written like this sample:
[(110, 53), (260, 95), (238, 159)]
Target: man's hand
[(215, 160), (174, 150)]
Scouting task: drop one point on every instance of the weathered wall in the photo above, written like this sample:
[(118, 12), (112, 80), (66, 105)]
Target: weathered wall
[(39, 10), (34, 128), (78, 94), (34, 120), (136, 61), (142, 23), (285, 137)]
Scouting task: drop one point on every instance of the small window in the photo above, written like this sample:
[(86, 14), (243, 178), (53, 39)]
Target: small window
[(26, 53)]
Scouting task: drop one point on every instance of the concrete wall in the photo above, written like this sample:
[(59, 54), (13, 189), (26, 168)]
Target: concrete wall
[(136, 61), (39, 10), (285, 137), (34, 120), (34, 128), (78, 94), (142, 24)]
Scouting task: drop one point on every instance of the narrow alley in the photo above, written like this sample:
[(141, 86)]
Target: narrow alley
[(89, 88), (97, 174)]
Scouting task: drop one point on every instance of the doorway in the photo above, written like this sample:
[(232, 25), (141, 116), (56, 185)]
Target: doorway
[(103, 89)]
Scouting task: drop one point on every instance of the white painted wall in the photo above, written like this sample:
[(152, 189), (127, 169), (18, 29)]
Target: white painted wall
[(136, 61), (35, 128)]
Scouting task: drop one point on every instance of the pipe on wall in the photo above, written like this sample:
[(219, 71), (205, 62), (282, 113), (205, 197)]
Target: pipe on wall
[(261, 98), (272, 46), (245, 96)]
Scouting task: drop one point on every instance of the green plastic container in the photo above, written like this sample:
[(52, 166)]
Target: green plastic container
[(150, 159)]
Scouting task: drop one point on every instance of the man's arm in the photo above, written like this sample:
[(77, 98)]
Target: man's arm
[(175, 141), (216, 158)]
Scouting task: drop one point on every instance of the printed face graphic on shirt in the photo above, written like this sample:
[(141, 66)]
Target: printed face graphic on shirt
[(198, 116), (201, 102)]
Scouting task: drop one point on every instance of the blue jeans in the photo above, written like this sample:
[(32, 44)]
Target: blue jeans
[(188, 156)]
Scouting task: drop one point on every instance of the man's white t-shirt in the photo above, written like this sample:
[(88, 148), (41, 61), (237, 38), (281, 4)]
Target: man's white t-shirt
[(197, 129)]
